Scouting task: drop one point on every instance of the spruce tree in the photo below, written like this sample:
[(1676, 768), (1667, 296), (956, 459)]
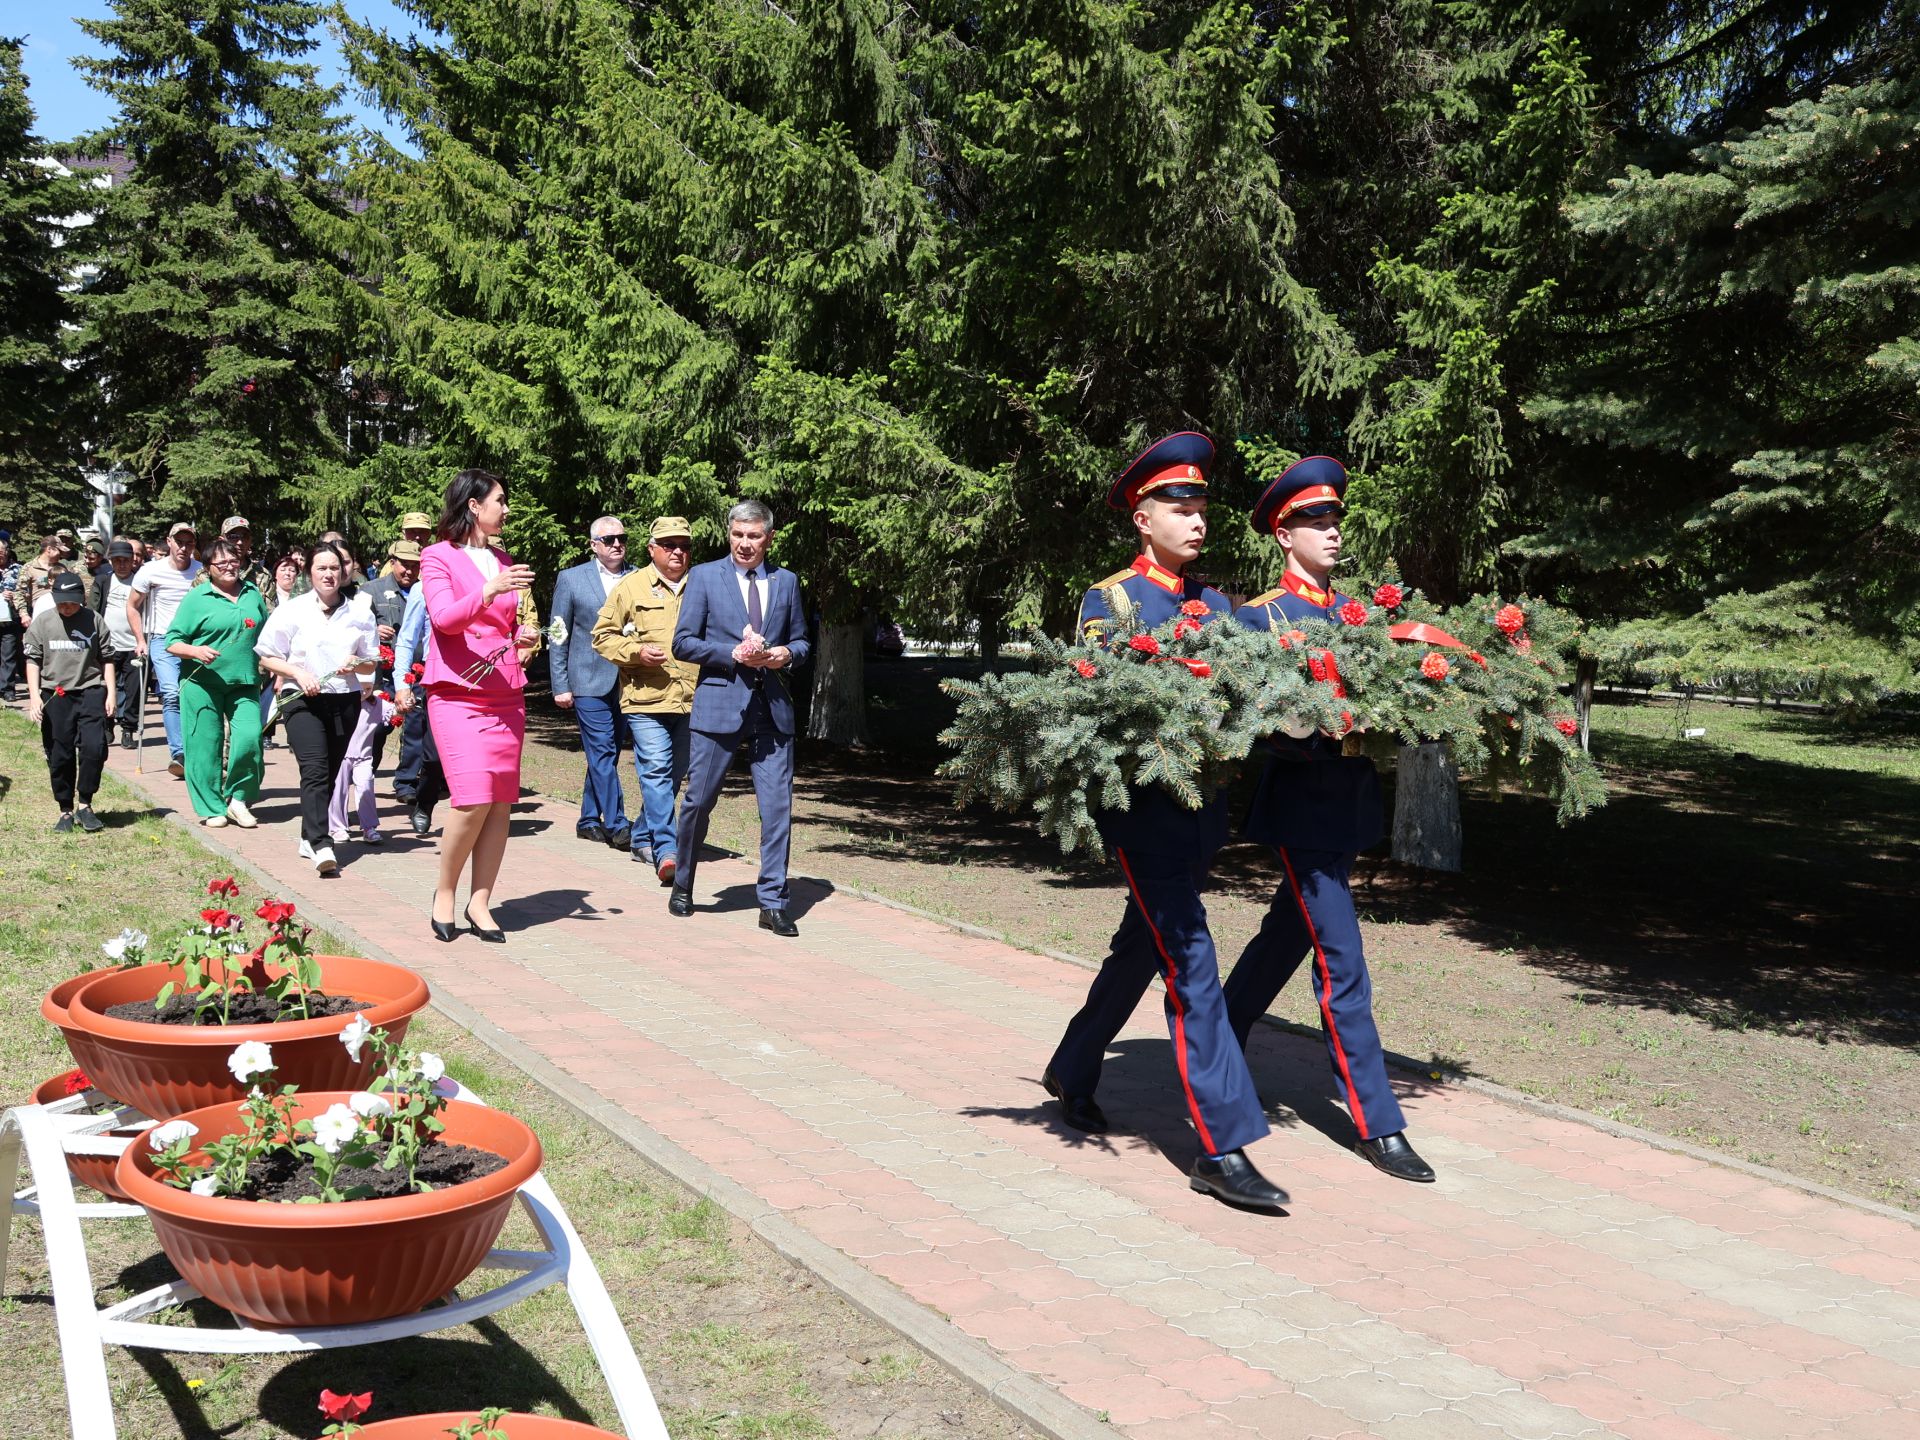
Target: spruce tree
[(211, 321), (39, 453)]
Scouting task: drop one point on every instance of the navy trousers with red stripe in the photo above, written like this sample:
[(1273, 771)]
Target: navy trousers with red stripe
[(1164, 933), (1312, 916)]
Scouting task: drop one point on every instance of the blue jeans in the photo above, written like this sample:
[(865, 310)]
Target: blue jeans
[(601, 800), (660, 760), (166, 674)]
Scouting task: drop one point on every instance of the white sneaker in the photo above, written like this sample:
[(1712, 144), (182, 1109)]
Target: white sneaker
[(213, 822), (323, 861), (238, 813), (339, 837), (306, 851)]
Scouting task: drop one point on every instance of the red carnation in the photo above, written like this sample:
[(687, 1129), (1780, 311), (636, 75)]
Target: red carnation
[(1435, 667), (1193, 607), (1085, 667), (223, 887), (396, 720), (76, 1082), (1353, 613), (416, 670), (1184, 627), (1197, 667), (344, 1407), (248, 622), (1477, 658), (1291, 638), (1510, 620), (1523, 642), (1388, 597), (275, 912), (219, 919), (60, 690), (1145, 644), (1316, 666), (386, 655), (1567, 726)]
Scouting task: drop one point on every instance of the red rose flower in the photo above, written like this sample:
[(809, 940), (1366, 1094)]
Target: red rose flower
[(1353, 613), (1510, 619), (248, 622), (1145, 644), (1185, 627), (344, 1407), (1567, 726), (1435, 667), (219, 919), (1477, 658), (1197, 667), (76, 1082), (1316, 666), (1085, 667), (223, 887), (1193, 607), (275, 912), (1388, 597)]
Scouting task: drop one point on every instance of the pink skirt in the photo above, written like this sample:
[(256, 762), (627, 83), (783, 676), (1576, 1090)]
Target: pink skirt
[(478, 734)]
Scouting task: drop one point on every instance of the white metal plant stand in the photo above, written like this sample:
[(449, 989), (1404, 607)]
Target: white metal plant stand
[(49, 1133)]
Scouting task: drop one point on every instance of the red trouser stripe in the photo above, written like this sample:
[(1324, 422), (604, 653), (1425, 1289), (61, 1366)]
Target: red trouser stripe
[(1173, 999), (1325, 987)]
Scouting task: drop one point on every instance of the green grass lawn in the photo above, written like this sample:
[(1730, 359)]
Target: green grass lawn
[(736, 1342)]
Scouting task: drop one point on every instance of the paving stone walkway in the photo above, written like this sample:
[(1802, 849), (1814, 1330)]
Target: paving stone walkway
[(877, 1081)]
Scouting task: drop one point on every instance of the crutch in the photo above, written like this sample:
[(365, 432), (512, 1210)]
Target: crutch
[(140, 724)]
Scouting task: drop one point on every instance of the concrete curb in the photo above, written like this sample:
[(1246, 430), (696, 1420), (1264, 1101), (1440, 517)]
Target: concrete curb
[(1506, 1095), (1027, 1399)]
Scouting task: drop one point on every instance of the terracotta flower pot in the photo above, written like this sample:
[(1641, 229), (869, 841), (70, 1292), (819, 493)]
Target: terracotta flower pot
[(93, 1171), (54, 1010), (517, 1427), (165, 1070), (337, 1264)]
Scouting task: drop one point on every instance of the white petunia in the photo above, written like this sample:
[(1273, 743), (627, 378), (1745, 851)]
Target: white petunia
[(249, 1059), (354, 1036), (432, 1067), (163, 1137), (129, 939), (370, 1106), (333, 1129), (206, 1185)]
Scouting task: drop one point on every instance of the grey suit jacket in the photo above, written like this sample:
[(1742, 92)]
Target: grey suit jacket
[(576, 667)]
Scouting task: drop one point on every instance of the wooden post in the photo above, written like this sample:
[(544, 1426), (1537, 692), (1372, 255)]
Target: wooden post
[(1426, 807)]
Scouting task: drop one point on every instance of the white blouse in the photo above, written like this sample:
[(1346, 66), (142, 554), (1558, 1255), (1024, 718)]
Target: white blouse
[(483, 556), (301, 633)]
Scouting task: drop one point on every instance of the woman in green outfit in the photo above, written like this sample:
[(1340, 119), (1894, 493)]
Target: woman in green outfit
[(215, 630)]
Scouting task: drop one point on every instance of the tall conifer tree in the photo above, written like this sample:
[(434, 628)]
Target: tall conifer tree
[(211, 324)]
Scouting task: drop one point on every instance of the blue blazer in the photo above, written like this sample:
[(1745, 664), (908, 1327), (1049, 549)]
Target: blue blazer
[(576, 667), (713, 619)]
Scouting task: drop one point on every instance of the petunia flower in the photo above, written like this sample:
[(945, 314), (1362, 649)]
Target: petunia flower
[(432, 1067), (128, 939), (206, 1185), (354, 1036), (163, 1137), (333, 1128), (369, 1106), (249, 1059), (344, 1407)]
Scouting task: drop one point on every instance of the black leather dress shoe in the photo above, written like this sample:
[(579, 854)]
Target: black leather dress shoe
[(776, 920), (1394, 1155), (492, 937), (593, 833), (1079, 1111), (1232, 1178), (420, 821), (445, 930), (679, 902), (618, 838)]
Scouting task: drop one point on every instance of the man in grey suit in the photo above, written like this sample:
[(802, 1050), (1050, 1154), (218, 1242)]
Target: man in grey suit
[(587, 684), (741, 623)]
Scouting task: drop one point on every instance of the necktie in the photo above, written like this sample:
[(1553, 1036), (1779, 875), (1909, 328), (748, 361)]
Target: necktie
[(753, 599)]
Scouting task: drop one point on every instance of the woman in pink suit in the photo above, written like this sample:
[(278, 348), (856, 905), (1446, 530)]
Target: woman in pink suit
[(474, 680)]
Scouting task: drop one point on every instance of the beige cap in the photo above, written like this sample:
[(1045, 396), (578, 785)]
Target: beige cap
[(233, 523), (404, 550), (416, 520), (670, 527), (177, 526)]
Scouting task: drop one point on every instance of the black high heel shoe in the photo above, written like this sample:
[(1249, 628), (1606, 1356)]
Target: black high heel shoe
[(444, 929), (492, 937)]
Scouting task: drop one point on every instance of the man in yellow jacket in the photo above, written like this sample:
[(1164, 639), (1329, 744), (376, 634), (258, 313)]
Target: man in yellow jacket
[(635, 632)]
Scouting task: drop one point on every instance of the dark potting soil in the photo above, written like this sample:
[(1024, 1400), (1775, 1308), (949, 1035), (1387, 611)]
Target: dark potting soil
[(245, 1010), (289, 1177)]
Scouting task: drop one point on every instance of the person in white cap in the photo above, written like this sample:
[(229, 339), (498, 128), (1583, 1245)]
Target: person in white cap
[(156, 592)]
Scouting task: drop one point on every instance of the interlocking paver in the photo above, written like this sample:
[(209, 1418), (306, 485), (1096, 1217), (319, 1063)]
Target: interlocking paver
[(876, 1081)]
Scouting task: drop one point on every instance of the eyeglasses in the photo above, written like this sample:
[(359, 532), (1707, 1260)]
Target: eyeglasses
[(232, 562), (674, 544), (620, 539)]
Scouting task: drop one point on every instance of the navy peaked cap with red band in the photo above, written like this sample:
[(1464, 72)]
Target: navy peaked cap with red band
[(1175, 468), (1315, 485)]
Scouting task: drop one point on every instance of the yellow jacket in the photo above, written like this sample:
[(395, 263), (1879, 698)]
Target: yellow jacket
[(642, 610)]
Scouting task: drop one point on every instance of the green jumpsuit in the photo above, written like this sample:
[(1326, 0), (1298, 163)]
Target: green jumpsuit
[(220, 699)]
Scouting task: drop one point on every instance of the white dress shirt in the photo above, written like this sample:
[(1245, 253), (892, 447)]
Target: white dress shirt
[(301, 633)]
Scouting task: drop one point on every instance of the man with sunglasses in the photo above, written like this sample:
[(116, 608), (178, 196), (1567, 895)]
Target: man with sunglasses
[(635, 632), (587, 684)]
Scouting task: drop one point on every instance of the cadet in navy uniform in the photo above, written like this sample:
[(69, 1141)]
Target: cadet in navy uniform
[(1318, 806), (1164, 850)]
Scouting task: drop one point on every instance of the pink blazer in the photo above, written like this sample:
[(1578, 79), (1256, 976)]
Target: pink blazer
[(464, 630)]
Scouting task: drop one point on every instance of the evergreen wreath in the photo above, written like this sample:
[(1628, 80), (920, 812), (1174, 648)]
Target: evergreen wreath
[(1183, 705)]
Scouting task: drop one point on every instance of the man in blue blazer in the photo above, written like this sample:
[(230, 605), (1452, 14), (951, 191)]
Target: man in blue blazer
[(589, 685), (741, 623)]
